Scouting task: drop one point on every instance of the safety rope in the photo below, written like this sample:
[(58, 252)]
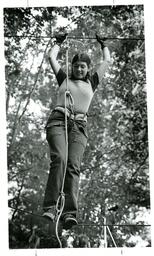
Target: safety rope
[(106, 228), (70, 102), (111, 236)]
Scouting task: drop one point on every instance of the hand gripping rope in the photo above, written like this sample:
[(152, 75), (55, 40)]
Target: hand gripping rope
[(61, 199)]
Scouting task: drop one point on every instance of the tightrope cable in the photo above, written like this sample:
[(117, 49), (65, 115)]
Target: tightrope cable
[(85, 224)]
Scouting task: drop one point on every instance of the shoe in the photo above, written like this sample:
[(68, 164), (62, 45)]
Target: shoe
[(50, 213), (69, 221)]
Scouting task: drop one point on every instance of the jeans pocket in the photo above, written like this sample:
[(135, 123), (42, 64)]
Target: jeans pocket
[(83, 128), (55, 128), (79, 136)]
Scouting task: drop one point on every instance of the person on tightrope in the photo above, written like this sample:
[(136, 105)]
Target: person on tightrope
[(81, 86)]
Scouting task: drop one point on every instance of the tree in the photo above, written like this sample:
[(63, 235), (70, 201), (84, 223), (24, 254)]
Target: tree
[(115, 166)]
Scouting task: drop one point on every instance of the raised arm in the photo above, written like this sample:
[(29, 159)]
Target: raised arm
[(106, 60), (53, 53)]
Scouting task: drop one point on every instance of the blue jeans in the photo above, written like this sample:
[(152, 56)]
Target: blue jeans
[(77, 140)]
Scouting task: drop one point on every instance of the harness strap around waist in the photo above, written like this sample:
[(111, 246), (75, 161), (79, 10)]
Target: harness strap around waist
[(78, 116)]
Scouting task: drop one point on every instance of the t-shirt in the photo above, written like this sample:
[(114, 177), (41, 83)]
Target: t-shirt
[(82, 91)]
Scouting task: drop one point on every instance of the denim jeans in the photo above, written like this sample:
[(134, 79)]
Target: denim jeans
[(77, 140)]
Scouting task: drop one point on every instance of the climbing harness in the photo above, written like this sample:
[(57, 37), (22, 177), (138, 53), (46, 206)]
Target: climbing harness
[(70, 115)]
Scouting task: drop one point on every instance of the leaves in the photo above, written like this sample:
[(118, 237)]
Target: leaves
[(115, 165)]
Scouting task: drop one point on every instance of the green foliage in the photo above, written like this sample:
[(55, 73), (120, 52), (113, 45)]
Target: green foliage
[(115, 166)]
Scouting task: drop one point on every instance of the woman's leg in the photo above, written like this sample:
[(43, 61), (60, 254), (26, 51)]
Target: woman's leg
[(77, 141), (56, 141)]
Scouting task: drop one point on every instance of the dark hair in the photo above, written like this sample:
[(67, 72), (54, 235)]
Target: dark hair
[(81, 57)]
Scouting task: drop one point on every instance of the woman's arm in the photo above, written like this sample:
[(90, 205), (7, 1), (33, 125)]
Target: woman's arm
[(53, 53), (106, 60), (106, 54), (104, 63)]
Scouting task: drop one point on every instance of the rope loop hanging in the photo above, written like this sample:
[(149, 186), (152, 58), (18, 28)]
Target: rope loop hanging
[(69, 102)]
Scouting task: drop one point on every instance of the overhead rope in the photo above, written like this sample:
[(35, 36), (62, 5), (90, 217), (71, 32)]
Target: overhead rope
[(76, 37), (80, 37)]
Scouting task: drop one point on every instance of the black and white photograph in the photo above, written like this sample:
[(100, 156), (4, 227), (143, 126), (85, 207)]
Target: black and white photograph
[(77, 127)]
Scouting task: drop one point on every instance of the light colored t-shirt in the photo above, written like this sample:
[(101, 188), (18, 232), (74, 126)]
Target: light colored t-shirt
[(82, 91)]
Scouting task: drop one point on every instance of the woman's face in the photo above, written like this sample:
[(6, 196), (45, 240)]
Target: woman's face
[(80, 69)]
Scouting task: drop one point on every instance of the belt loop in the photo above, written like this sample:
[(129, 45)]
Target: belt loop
[(74, 116)]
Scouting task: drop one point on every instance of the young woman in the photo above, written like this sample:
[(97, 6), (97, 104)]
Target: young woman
[(81, 87)]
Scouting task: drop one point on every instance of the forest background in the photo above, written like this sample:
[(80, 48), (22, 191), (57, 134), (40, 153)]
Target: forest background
[(115, 169)]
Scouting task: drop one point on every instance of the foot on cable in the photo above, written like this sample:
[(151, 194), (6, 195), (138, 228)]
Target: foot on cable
[(50, 213), (69, 221)]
